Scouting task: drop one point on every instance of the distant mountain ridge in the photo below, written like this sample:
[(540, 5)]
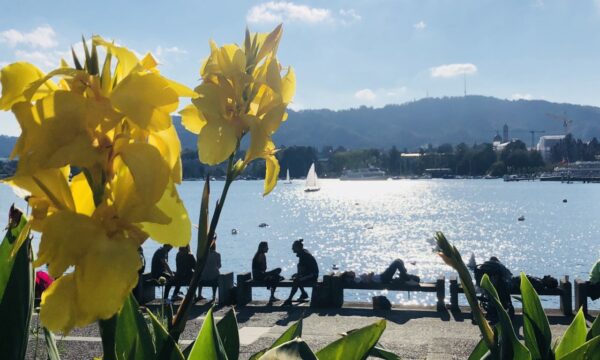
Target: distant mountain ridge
[(470, 119)]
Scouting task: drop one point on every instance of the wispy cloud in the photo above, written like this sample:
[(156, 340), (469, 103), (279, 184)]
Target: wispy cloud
[(41, 37), (452, 70), (274, 12), (420, 25), (169, 50), (349, 16), (44, 59), (365, 95), (519, 96)]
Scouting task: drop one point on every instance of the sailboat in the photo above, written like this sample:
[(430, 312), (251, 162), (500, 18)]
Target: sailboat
[(311, 180), (287, 177)]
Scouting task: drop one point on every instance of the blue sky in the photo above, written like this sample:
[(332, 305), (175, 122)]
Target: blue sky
[(345, 53)]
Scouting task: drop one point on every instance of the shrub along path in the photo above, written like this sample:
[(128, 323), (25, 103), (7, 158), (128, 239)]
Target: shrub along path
[(412, 333)]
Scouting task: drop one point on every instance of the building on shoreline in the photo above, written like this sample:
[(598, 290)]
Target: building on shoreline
[(545, 144)]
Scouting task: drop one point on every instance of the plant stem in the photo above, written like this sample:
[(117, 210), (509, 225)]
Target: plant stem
[(180, 318)]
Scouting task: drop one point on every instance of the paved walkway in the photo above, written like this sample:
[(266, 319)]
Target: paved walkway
[(412, 333)]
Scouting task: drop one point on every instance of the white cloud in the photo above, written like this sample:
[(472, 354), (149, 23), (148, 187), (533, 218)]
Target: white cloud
[(452, 70), (274, 12), (420, 25), (3, 64), (349, 16), (365, 95), (43, 59), (169, 50), (519, 96), (41, 37)]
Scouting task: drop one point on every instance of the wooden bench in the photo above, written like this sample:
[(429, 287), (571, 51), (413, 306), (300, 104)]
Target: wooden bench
[(145, 291), (245, 283), (338, 286), (564, 291), (582, 292)]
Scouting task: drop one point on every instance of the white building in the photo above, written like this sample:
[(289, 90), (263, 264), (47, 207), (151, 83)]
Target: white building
[(546, 143)]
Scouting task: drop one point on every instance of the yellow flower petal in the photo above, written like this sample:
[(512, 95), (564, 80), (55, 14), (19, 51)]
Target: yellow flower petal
[(82, 195), (127, 59), (167, 143), (59, 305), (288, 86), (192, 119), (15, 78), (216, 142), (271, 174), (146, 99), (149, 170), (178, 231), (67, 237)]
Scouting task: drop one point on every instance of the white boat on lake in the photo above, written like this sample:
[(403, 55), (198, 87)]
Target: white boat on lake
[(312, 180)]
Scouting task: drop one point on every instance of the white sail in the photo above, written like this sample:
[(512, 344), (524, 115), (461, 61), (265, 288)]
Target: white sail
[(287, 177), (311, 177)]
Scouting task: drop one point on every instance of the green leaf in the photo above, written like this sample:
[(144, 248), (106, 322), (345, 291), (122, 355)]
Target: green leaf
[(595, 329), (133, 334), (166, 348), (574, 337), (294, 349), (227, 328), (51, 347), (536, 328), (480, 351), (202, 246), (16, 305), (7, 251), (381, 353), (355, 345), (509, 345), (291, 333), (589, 350), (208, 344)]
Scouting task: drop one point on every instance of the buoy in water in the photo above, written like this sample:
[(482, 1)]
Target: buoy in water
[(521, 218), (564, 200), (263, 225), (234, 231)]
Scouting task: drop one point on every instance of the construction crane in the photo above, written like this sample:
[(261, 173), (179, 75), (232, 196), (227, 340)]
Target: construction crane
[(565, 120)]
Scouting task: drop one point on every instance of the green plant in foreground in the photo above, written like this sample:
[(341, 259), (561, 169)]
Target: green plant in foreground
[(502, 342)]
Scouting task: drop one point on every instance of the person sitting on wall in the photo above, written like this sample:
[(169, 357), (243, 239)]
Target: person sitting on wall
[(160, 267), (210, 274), (501, 278), (260, 273), (184, 272), (308, 272)]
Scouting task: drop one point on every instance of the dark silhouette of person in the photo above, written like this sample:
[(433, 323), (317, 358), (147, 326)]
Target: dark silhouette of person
[(501, 278), (160, 267), (260, 273), (186, 262), (307, 274), (210, 274), (388, 274)]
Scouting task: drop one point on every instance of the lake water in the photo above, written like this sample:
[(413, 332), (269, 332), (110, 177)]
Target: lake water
[(363, 226)]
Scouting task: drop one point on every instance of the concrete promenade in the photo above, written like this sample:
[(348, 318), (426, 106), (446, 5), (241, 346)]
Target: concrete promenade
[(412, 333)]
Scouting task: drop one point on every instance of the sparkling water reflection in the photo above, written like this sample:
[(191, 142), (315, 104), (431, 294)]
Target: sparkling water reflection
[(363, 226)]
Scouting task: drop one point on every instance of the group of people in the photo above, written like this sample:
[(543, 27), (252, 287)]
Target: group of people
[(185, 264)]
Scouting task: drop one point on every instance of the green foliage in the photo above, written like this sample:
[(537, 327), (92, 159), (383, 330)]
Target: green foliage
[(208, 344), (293, 349), (227, 328), (133, 334), (577, 343), (355, 346), (51, 347), (294, 331), (536, 328), (16, 304)]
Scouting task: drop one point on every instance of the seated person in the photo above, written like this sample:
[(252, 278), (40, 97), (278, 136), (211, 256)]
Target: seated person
[(308, 271), (260, 273), (160, 267), (184, 272), (210, 274), (501, 278), (594, 290), (387, 276)]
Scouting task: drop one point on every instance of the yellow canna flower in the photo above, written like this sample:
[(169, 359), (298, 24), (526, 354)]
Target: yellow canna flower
[(242, 91), (112, 123)]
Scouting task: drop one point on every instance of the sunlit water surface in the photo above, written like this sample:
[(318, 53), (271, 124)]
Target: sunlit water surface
[(363, 226)]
